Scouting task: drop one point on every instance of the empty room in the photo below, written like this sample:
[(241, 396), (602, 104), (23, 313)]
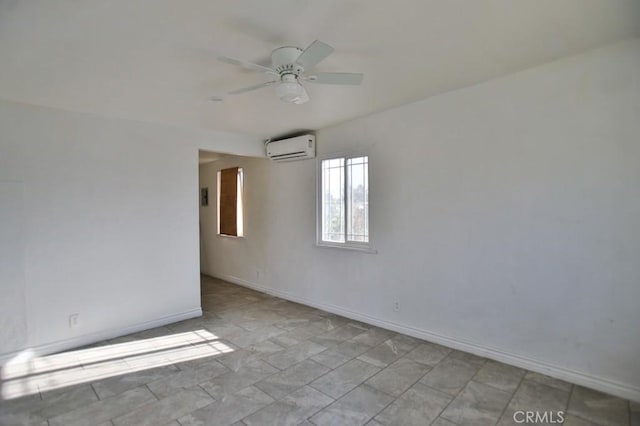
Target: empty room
[(320, 212)]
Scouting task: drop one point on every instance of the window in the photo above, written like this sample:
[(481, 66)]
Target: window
[(343, 202), (230, 209)]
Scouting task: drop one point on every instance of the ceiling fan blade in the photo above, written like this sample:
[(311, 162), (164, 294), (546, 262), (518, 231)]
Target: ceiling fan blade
[(250, 88), (247, 65), (314, 54), (346, 78)]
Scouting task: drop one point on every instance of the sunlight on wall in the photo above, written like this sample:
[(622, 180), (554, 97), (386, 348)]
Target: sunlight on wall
[(21, 377)]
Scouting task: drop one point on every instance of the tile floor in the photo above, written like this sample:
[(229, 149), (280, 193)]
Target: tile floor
[(253, 359)]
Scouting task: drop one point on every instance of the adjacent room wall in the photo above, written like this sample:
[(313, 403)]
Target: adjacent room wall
[(506, 217), (230, 256), (98, 217)]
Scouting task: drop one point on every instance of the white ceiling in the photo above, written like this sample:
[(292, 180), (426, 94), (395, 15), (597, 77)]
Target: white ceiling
[(155, 60)]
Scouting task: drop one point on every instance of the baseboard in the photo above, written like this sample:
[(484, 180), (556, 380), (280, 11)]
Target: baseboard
[(621, 390), (87, 339)]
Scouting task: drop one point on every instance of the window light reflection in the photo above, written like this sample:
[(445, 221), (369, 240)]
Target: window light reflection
[(21, 377)]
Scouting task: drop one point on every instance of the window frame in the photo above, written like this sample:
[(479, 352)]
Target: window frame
[(346, 245)]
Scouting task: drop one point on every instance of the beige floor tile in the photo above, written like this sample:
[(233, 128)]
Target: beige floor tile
[(61, 401), (228, 410), (374, 336), (22, 404), (598, 407), (185, 379), (20, 418), (418, 406), (450, 376), (344, 378), (429, 354), (442, 422), (248, 338), (537, 396), (355, 408), (549, 381), (383, 354), (500, 376), (284, 382), (398, 377), (100, 411), (244, 375), (635, 413), (352, 349), (339, 335), (292, 410), (571, 420), (468, 358), (330, 358), (478, 404), (118, 384), (294, 354), (165, 410)]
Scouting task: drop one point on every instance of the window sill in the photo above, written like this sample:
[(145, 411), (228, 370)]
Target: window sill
[(361, 249), (230, 236)]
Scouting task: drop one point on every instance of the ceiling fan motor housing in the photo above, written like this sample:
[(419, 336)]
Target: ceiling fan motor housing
[(284, 60)]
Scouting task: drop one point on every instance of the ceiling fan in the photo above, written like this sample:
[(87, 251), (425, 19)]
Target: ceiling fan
[(289, 65)]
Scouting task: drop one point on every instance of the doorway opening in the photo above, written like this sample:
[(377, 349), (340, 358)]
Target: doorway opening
[(221, 215)]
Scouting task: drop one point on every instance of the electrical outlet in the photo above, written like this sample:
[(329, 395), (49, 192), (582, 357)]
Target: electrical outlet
[(396, 306), (74, 320)]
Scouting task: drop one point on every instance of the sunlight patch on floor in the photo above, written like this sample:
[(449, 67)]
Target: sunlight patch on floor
[(21, 377)]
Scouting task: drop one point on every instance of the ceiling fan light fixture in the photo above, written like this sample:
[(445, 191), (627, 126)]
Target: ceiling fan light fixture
[(290, 91), (304, 97)]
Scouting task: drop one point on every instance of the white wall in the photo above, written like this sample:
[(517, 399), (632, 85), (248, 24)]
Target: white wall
[(506, 218), (97, 217)]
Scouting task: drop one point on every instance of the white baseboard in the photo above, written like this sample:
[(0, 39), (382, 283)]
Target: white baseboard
[(87, 339), (621, 390)]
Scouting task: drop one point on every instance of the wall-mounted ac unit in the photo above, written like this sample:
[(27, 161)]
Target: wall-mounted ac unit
[(298, 148)]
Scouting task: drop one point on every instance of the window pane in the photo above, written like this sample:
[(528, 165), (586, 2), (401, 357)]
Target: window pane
[(228, 201), (333, 214), (230, 207), (240, 206), (358, 199)]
